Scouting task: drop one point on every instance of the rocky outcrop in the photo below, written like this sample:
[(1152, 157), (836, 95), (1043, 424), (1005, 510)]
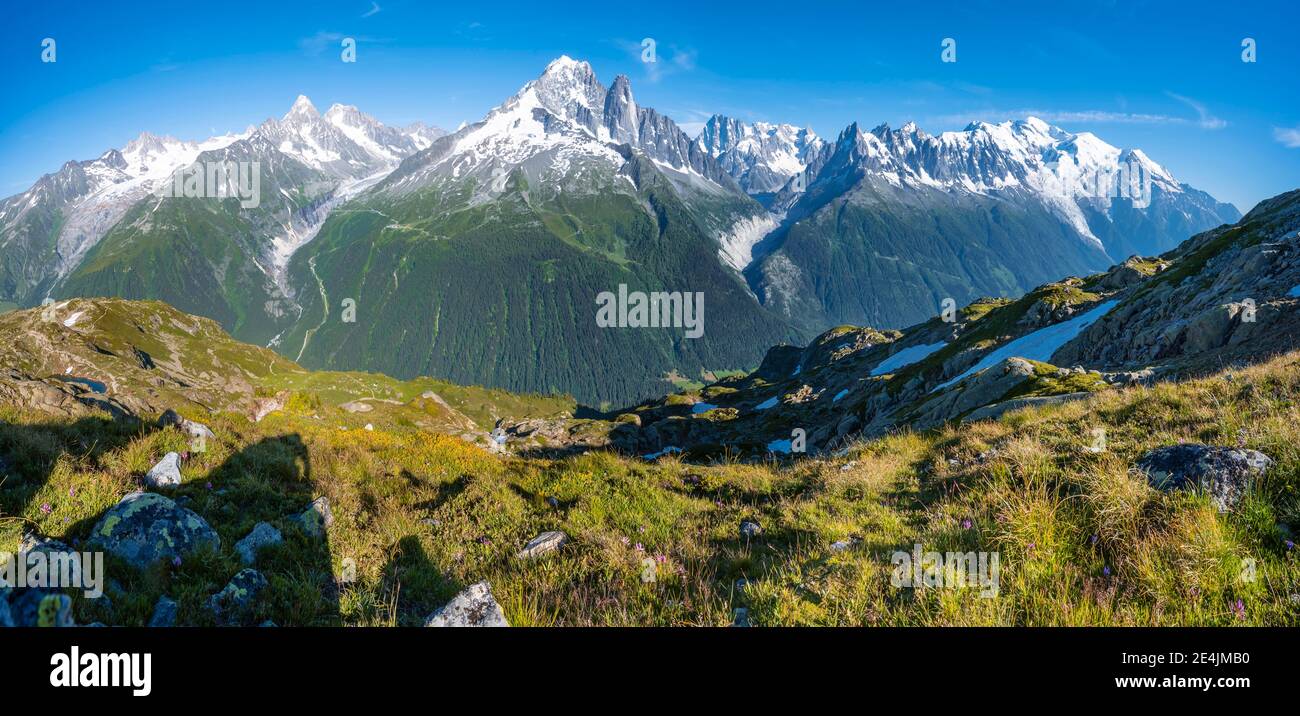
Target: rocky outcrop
[(1226, 292), (984, 388), (1225, 474)]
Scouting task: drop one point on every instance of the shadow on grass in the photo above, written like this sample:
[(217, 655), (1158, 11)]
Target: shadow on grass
[(268, 481)]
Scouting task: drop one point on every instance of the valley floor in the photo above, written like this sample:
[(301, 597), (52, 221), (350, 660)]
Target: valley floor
[(1080, 537)]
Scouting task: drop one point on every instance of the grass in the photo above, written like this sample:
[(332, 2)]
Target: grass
[(1081, 539)]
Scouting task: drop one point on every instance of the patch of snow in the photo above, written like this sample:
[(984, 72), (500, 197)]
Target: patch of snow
[(71, 321), (906, 357), (1039, 345)]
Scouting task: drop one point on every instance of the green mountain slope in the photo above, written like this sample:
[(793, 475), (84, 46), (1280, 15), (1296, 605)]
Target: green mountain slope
[(503, 293)]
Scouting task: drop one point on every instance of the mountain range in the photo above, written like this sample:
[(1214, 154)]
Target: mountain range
[(476, 256)]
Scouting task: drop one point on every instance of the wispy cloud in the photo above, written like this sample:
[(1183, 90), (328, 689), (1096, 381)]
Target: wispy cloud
[(374, 9), (1288, 136), (1207, 120), (690, 121), (1204, 119)]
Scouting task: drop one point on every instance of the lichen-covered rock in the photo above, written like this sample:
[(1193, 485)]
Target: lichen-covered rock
[(40, 608), (1225, 474), (146, 527), (543, 543), (167, 473), (262, 535), (749, 530), (234, 604), (316, 518), (473, 607), (164, 612)]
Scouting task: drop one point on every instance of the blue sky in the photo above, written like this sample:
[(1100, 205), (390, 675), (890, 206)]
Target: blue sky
[(1166, 77)]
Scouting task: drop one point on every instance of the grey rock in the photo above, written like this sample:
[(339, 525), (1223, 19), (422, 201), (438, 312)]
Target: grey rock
[(263, 407), (317, 518), (844, 544), (233, 604), (543, 543), (189, 427), (987, 386), (167, 473), (473, 607), (1225, 474), (146, 527), (164, 612), (749, 530), (32, 542), (989, 412), (262, 535), (740, 618)]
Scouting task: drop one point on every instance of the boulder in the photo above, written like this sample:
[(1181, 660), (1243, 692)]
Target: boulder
[(317, 518), (233, 604), (189, 427), (164, 612), (262, 535), (749, 530), (473, 607), (1225, 474), (167, 473), (543, 543), (146, 527)]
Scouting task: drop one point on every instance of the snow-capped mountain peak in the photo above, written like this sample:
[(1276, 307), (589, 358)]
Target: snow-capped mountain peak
[(302, 107), (556, 122), (760, 156)]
